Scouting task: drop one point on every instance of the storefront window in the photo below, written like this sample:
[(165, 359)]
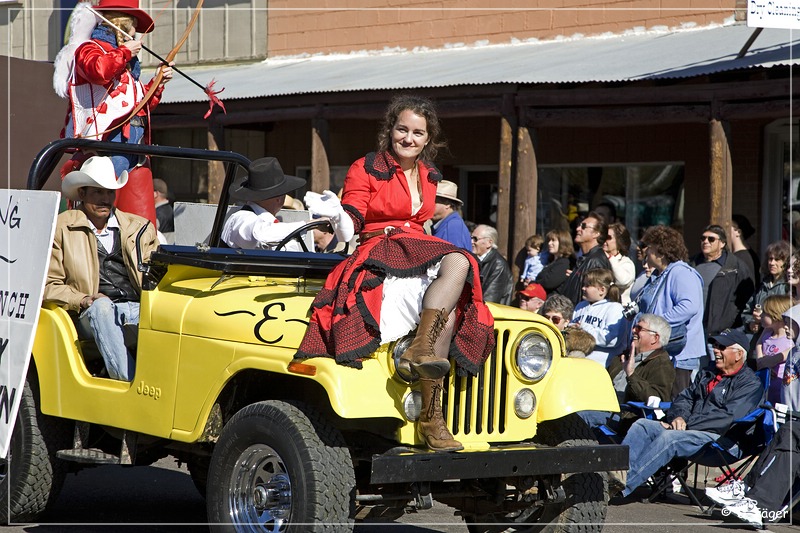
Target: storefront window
[(642, 195)]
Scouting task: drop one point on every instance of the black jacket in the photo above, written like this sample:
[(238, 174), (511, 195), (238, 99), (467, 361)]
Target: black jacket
[(732, 398), (496, 280), (594, 258), (727, 295), (554, 274)]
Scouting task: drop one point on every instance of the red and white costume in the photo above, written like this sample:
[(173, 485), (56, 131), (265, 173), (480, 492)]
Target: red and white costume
[(102, 92), (346, 314)]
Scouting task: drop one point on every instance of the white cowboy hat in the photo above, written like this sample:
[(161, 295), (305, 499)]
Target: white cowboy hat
[(97, 171), (449, 190)]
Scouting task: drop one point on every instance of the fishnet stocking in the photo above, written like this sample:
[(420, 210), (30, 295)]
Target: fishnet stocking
[(445, 290), (443, 293)]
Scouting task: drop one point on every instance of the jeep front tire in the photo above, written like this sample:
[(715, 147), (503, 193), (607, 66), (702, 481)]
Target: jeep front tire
[(280, 466)]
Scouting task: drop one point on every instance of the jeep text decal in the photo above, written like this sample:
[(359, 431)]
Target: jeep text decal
[(267, 313)]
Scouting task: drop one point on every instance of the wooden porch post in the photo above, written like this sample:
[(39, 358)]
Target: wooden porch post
[(721, 179), (216, 169), (320, 169), (526, 187), (504, 218)]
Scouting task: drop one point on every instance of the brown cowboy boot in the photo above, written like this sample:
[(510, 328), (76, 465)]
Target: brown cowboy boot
[(419, 358), (431, 426)]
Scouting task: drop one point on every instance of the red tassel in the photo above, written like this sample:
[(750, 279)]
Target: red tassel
[(213, 100)]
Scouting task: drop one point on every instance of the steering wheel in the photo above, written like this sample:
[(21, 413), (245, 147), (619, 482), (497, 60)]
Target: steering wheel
[(298, 233)]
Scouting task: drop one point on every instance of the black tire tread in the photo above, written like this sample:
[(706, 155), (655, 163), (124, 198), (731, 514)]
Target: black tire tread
[(35, 475)]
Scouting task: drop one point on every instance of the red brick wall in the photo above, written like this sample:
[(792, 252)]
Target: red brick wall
[(337, 26)]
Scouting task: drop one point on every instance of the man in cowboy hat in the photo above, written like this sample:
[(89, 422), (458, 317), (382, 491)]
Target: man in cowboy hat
[(263, 192), (447, 222), (93, 267), (98, 72)]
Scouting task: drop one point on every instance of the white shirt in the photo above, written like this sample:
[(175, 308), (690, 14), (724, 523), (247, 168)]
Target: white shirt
[(258, 230), (604, 320), (104, 235)]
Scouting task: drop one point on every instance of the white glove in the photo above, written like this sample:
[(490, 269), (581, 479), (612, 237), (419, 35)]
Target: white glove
[(328, 205)]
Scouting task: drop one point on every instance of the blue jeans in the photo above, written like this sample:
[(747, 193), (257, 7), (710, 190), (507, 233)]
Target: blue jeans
[(103, 320), (595, 419), (651, 446), (126, 161)]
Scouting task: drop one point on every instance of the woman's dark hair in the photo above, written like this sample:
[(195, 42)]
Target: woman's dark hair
[(603, 277), (667, 241), (419, 106), (565, 248), (622, 236), (779, 250)]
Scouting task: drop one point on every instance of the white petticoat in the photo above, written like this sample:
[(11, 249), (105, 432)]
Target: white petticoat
[(402, 303)]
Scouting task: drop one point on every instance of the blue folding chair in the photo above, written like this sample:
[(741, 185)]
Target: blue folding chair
[(743, 441)]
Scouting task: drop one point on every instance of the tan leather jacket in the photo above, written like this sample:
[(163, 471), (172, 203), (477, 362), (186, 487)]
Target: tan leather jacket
[(74, 271)]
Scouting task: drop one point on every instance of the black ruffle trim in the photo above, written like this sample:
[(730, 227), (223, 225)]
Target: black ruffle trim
[(380, 165), (358, 218)]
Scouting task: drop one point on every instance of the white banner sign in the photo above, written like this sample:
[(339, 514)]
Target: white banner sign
[(773, 14), (27, 225)]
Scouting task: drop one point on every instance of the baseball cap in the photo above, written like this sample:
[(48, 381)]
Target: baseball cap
[(534, 290), (730, 337)]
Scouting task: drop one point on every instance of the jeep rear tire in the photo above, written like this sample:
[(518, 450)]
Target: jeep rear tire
[(585, 506), (280, 466), (31, 476)]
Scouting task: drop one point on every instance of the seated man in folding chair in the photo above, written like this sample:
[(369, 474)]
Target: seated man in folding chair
[(699, 415), (645, 372), (765, 493)]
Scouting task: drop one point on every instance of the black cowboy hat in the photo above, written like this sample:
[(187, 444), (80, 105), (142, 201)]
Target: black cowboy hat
[(265, 179)]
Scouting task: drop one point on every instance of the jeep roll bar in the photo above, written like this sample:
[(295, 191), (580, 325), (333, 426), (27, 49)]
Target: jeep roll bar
[(46, 160)]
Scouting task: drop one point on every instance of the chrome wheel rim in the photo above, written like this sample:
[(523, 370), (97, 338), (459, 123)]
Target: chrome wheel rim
[(260, 491)]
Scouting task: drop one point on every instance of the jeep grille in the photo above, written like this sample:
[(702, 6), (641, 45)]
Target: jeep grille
[(477, 405)]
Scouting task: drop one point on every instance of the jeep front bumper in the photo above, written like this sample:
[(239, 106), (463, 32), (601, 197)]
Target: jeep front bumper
[(408, 465)]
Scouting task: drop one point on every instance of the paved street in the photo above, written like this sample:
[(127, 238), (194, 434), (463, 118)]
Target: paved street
[(162, 499)]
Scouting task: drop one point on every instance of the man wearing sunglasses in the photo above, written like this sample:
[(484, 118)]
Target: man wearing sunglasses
[(727, 285), (589, 236), (699, 415)]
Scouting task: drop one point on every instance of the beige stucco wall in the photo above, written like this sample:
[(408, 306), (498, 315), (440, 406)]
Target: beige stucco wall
[(329, 26)]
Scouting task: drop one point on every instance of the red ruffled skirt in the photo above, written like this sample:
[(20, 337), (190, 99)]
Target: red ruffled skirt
[(346, 314)]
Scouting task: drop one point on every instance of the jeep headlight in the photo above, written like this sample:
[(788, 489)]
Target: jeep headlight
[(533, 356), (399, 348)]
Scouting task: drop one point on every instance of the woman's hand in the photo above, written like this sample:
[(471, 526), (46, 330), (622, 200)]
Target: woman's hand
[(166, 71), (134, 46)]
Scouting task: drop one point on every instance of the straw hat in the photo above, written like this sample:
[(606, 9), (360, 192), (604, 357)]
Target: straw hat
[(449, 190)]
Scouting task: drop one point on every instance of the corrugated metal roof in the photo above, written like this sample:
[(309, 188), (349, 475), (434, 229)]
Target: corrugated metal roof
[(627, 57)]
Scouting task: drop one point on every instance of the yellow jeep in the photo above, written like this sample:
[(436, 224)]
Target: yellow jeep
[(274, 444)]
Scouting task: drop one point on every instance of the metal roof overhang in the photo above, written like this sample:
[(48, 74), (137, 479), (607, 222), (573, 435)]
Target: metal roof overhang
[(646, 55), (477, 77)]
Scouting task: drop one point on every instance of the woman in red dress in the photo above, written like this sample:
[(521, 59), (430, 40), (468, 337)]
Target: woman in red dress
[(399, 276)]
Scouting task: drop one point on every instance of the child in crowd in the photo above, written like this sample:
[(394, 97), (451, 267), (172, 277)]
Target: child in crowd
[(533, 263), (791, 372), (773, 345), (600, 313)]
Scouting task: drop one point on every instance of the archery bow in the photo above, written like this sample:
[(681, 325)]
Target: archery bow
[(156, 81)]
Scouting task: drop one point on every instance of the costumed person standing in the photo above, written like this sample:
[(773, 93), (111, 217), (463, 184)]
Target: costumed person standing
[(399, 276), (98, 72)]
